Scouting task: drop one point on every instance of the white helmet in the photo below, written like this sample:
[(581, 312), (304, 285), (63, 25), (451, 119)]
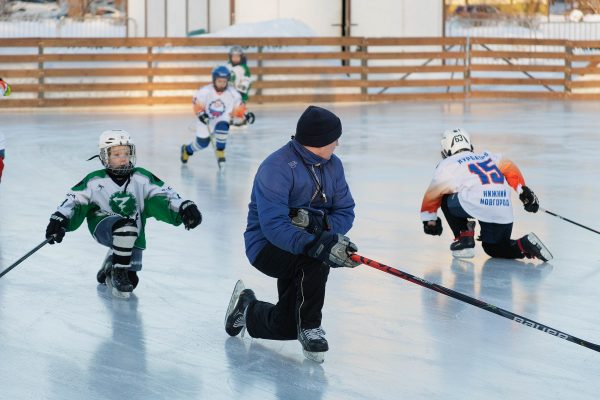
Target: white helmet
[(455, 140), (112, 138)]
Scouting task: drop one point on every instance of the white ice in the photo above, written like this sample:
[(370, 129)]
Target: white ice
[(63, 337)]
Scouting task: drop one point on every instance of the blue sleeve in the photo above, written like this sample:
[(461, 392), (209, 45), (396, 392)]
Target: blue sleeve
[(341, 216), (272, 190)]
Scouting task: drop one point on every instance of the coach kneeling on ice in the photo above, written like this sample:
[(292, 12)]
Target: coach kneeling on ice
[(299, 211)]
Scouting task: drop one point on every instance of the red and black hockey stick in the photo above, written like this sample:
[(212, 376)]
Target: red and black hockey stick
[(36, 248), (477, 303)]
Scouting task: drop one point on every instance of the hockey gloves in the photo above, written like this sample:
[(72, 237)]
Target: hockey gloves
[(203, 117), (333, 249), (190, 215), (435, 230), (313, 221), (249, 117), (56, 228), (529, 199)]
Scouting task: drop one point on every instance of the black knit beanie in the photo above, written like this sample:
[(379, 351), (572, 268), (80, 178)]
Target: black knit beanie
[(318, 127)]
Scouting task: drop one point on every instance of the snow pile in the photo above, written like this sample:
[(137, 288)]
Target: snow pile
[(273, 28)]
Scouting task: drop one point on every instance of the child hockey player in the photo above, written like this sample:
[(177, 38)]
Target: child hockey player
[(466, 185), (241, 81), (4, 91), (116, 201), (214, 105), (240, 73)]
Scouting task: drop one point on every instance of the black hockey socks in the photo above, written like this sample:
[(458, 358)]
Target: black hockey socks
[(125, 233)]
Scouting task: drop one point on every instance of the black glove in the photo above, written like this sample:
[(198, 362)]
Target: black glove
[(249, 117), (313, 221), (433, 229), (57, 227), (333, 249), (203, 117), (529, 199), (190, 215)]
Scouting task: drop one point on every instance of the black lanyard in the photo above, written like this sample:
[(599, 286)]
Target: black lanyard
[(315, 178), (318, 182)]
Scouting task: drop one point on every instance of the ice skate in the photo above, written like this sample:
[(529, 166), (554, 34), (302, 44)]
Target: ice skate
[(105, 268), (133, 278), (185, 156), (235, 317), (314, 344), (118, 282), (531, 246), (220, 158), (464, 245)]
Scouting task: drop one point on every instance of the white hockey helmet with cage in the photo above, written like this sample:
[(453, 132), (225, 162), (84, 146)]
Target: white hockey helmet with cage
[(454, 141), (113, 138)]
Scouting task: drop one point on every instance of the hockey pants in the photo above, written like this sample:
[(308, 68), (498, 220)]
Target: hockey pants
[(301, 284), (495, 238), (104, 235)]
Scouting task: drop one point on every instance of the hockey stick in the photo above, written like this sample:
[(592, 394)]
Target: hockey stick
[(568, 220), (474, 302), (36, 248)]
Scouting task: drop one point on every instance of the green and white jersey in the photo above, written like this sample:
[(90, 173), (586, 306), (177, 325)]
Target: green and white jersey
[(240, 79), (97, 196)]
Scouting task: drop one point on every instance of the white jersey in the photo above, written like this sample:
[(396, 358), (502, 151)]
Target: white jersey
[(97, 196), (482, 182), (218, 106)]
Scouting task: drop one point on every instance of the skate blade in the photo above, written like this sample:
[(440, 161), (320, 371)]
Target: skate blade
[(120, 295), (316, 356), (239, 286), (464, 253), (115, 292), (545, 253)]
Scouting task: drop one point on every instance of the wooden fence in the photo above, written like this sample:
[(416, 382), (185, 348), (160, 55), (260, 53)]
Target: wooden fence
[(91, 72)]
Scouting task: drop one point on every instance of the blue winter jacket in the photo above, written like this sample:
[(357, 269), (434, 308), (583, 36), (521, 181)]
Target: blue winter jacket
[(283, 181)]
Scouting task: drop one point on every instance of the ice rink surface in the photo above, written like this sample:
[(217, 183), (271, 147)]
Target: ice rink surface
[(62, 336)]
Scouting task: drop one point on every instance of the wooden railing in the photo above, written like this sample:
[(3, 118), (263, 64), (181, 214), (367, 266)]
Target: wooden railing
[(90, 72)]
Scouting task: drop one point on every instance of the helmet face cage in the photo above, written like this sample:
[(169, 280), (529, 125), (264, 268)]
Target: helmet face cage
[(454, 141), (237, 50), (114, 138)]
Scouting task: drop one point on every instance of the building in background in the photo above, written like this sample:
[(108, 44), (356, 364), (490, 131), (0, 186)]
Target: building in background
[(373, 18), (177, 18)]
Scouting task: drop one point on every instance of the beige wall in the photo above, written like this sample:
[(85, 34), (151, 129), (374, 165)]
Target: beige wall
[(408, 18)]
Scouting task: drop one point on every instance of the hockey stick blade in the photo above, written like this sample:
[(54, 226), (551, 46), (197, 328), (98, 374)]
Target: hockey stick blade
[(475, 302)]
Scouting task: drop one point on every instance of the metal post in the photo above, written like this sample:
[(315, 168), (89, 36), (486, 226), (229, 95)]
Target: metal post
[(364, 63), (207, 16), (150, 78), (166, 23), (568, 65), (467, 73), (259, 75), (41, 76)]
